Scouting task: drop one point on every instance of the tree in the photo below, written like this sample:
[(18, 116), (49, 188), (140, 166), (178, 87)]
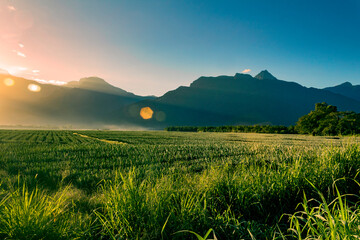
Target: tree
[(326, 120)]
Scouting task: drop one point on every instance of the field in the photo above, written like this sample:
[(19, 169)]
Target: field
[(154, 185)]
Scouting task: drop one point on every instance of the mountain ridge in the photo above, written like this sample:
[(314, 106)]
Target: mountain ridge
[(100, 85), (243, 99), (222, 100), (346, 89)]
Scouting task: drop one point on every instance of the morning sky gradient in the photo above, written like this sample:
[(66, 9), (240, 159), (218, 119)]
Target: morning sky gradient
[(149, 47)]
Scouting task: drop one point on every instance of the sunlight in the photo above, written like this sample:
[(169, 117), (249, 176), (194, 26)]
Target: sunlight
[(146, 113), (9, 82), (34, 88)]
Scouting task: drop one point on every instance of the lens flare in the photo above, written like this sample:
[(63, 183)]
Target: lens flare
[(160, 116), (9, 82), (34, 88), (146, 113)]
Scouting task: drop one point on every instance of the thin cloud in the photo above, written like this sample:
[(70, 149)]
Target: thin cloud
[(11, 8), (21, 45), (246, 71), (19, 53), (35, 71), (53, 82), (17, 70)]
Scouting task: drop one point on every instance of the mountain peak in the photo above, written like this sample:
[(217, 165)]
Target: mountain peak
[(242, 76), (93, 81), (265, 75), (99, 85), (89, 82), (346, 84)]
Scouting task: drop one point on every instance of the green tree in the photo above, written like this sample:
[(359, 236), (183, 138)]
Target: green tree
[(326, 120)]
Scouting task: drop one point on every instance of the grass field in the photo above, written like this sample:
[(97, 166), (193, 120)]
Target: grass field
[(153, 185)]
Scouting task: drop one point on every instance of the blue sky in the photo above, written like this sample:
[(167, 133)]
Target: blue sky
[(150, 47)]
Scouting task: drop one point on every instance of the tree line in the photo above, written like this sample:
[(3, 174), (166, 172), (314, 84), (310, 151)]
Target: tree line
[(324, 120)]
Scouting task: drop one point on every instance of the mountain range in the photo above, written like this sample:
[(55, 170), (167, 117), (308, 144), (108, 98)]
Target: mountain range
[(223, 100)]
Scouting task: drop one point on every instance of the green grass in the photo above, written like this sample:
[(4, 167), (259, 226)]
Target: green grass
[(323, 220), (165, 185)]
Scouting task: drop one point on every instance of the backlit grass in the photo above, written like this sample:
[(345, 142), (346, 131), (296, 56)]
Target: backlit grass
[(161, 185)]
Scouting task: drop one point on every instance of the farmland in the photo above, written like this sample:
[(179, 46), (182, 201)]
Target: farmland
[(151, 185)]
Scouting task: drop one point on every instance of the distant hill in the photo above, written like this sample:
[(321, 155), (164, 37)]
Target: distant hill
[(223, 100), (346, 89), (100, 85), (241, 99), (60, 105)]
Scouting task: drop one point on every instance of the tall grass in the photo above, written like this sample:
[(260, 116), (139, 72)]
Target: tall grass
[(319, 219), (161, 183), (33, 214)]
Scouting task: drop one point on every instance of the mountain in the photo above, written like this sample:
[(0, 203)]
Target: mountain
[(265, 75), (240, 99), (28, 102), (99, 85), (346, 89), (223, 100)]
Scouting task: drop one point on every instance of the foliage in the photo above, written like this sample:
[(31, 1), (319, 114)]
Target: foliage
[(324, 120), (323, 220), (240, 128), (32, 214), (327, 120), (155, 184)]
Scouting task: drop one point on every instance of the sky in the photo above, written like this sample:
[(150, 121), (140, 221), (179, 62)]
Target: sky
[(150, 47)]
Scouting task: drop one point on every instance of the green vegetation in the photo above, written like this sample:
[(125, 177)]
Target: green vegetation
[(325, 120), (335, 220), (239, 129), (171, 185)]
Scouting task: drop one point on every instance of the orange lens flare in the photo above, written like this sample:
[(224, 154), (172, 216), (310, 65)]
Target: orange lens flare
[(9, 82), (34, 88), (146, 113)]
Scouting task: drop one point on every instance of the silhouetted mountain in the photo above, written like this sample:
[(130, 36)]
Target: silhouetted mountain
[(346, 89), (100, 85), (222, 100), (28, 102), (241, 99), (265, 75)]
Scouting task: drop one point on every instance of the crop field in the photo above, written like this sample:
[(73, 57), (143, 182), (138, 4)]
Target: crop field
[(171, 185)]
